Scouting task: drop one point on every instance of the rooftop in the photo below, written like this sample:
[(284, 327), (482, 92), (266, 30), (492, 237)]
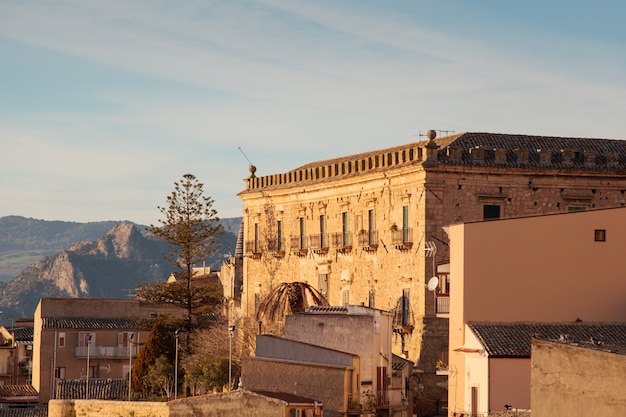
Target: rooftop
[(514, 340), (495, 150), (89, 323)]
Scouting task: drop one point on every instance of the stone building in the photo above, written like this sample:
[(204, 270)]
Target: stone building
[(367, 229)]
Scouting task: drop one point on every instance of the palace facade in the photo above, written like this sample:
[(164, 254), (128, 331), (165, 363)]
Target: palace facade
[(368, 229)]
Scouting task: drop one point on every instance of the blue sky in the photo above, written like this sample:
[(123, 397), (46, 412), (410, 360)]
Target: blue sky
[(104, 104)]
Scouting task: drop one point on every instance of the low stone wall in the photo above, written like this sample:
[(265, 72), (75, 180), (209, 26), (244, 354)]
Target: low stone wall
[(101, 408), (239, 403)]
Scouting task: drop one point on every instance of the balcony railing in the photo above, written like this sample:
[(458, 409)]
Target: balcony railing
[(342, 241), (253, 249), (368, 239), (298, 245), (106, 351), (319, 243), (402, 238), (443, 304)]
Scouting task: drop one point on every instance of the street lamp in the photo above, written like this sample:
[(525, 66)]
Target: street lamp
[(88, 349), (176, 366), (231, 330), (130, 365)]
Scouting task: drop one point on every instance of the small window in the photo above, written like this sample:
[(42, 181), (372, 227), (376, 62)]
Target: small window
[(323, 284), (61, 339), (491, 212), (279, 235), (302, 233), (600, 235), (59, 373), (345, 297)]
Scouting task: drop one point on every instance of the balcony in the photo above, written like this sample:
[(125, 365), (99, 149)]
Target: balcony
[(298, 246), (319, 243), (443, 304), (113, 352), (276, 246), (342, 241), (253, 249), (368, 240), (402, 239)]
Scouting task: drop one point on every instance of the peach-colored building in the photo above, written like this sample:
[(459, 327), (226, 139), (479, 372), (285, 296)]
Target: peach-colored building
[(87, 339), (551, 268)]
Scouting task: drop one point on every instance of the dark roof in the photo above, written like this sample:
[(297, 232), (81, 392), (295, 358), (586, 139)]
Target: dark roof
[(398, 363), (23, 335), (514, 340), (18, 391), (288, 398), (599, 150), (89, 323)]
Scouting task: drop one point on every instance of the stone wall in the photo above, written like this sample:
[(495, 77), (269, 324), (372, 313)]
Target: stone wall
[(234, 404), (101, 408)]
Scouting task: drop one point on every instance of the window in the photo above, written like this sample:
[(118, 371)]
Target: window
[(61, 339), (406, 314), (405, 224), (345, 229), (123, 339), (491, 212), (371, 223), (371, 299), (59, 373), (256, 238), (323, 237), (345, 297), (600, 235), (279, 236), (302, 233), (573, 209), (86, 338), (323, 284)]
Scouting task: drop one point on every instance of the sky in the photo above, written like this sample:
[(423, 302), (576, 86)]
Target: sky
[(105, 104)]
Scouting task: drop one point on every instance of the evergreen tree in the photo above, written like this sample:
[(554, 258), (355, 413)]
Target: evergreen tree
[(191, 227)]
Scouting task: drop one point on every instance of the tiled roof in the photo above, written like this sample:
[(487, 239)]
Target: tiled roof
[(514, 340), (328, 309), (288, 398), (588, 153), (89, 323), (398, 363), (17, 391), (23, 335)]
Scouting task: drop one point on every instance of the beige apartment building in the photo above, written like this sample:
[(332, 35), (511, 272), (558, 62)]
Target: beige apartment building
[(562, 269), (368, 228)]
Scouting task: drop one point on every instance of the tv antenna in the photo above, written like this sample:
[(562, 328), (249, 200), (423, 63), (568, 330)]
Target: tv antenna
[(245, 156)]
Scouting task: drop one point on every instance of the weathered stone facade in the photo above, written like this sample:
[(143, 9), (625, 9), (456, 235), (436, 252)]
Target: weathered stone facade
[(368, 228)]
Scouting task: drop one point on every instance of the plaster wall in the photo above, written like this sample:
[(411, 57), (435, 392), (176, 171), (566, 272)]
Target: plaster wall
[(576, 382), (367, 335), (544, 268), (329, 384)]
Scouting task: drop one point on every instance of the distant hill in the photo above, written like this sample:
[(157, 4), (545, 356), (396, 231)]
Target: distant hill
[(62, 259)]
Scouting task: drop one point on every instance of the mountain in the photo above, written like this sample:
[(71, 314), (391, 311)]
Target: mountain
[(108, 267), (24, 241)]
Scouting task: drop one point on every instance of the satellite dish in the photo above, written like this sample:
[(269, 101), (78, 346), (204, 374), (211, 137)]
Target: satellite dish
[(433, 283)]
